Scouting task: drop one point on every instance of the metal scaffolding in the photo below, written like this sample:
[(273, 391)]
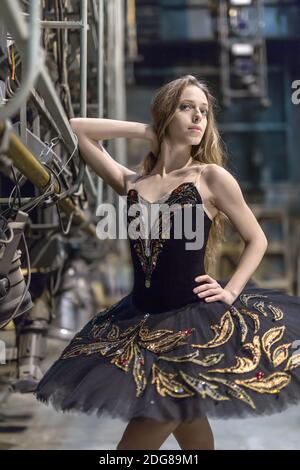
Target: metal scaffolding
[(77, 49)]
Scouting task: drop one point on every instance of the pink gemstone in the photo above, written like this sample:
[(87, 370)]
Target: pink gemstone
[(259, 375), (188, 331)]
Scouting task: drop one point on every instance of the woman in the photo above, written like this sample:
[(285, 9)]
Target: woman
[(181, 346)]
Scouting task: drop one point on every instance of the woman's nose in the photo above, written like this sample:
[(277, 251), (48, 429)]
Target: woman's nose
[(198, 115)]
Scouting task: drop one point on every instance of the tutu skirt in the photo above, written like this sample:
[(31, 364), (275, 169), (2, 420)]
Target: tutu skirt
[(203, 359)]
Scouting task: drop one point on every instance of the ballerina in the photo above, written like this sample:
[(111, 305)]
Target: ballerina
[(181, 346)]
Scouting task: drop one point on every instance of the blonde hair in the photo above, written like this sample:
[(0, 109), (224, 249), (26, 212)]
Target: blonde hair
[(163, 107)]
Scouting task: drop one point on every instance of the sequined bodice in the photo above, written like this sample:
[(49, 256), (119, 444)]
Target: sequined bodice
[(164, 268)]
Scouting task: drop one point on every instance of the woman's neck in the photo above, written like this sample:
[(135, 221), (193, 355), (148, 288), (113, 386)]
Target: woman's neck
[(164, 168)]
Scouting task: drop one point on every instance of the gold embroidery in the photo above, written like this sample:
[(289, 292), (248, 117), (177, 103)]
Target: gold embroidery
[(98, 330), (147, 335), (244, 298), (244, 364), (244, 329), (208, 361), (270, 337), (128, 347), (138, 371), (277, 312), (280, 354), (233, 390), (271, 384), (167, 385), (114, 333), (293, 362), (168, 343), (260, 305), (254, 318), (123, 357), (86, 350), (125, 347), (223, 332), (204, 389)]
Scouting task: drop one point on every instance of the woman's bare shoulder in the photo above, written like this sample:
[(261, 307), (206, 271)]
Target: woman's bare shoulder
[(202, 168), (212, 172)]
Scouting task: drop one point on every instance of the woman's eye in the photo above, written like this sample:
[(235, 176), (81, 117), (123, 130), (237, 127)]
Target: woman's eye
[(183, 106), (203, 111)]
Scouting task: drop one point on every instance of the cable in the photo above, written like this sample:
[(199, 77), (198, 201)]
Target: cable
[(16, 184), (58, 195), (67, 230), (49, 190), (57, 168), (72, 154), (52, 143), (28, 207), (46, 192), (54, 289), (8, 240)]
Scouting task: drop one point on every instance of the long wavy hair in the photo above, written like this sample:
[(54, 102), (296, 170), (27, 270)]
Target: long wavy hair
[(210, 150)]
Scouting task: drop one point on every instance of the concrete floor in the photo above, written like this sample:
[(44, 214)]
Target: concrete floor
[(44, 428)]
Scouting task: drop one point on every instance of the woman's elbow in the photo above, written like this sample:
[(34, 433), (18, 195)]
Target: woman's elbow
[(75, 125), (260, 241), (264, 242)]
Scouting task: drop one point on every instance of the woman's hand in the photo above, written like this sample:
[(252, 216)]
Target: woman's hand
[(212, 291)]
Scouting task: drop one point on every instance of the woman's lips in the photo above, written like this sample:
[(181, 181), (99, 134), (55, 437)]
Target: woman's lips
[(195, 130)]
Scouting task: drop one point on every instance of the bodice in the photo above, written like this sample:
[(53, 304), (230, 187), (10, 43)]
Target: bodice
[(167, 243)]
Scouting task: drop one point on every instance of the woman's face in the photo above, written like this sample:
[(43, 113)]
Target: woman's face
[(191, 112)]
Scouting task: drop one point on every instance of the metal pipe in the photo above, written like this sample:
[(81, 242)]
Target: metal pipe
[(100, 82), (83, 58), (32, 54), (62, 24), (120, 87)]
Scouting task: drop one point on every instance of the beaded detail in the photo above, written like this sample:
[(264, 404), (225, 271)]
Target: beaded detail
[(144, 352), (148, 249)]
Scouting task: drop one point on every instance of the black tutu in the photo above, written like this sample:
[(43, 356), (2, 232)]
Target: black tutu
[(203, 359), (164, 353)]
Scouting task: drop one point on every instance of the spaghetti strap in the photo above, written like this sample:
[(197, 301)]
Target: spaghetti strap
[(198, 179), (198, 176)]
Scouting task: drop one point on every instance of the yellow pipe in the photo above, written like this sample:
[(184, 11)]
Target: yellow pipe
[(30, 167)]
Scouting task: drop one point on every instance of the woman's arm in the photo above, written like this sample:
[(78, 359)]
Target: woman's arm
[(105, 129), (90, 130), (228, 198)]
